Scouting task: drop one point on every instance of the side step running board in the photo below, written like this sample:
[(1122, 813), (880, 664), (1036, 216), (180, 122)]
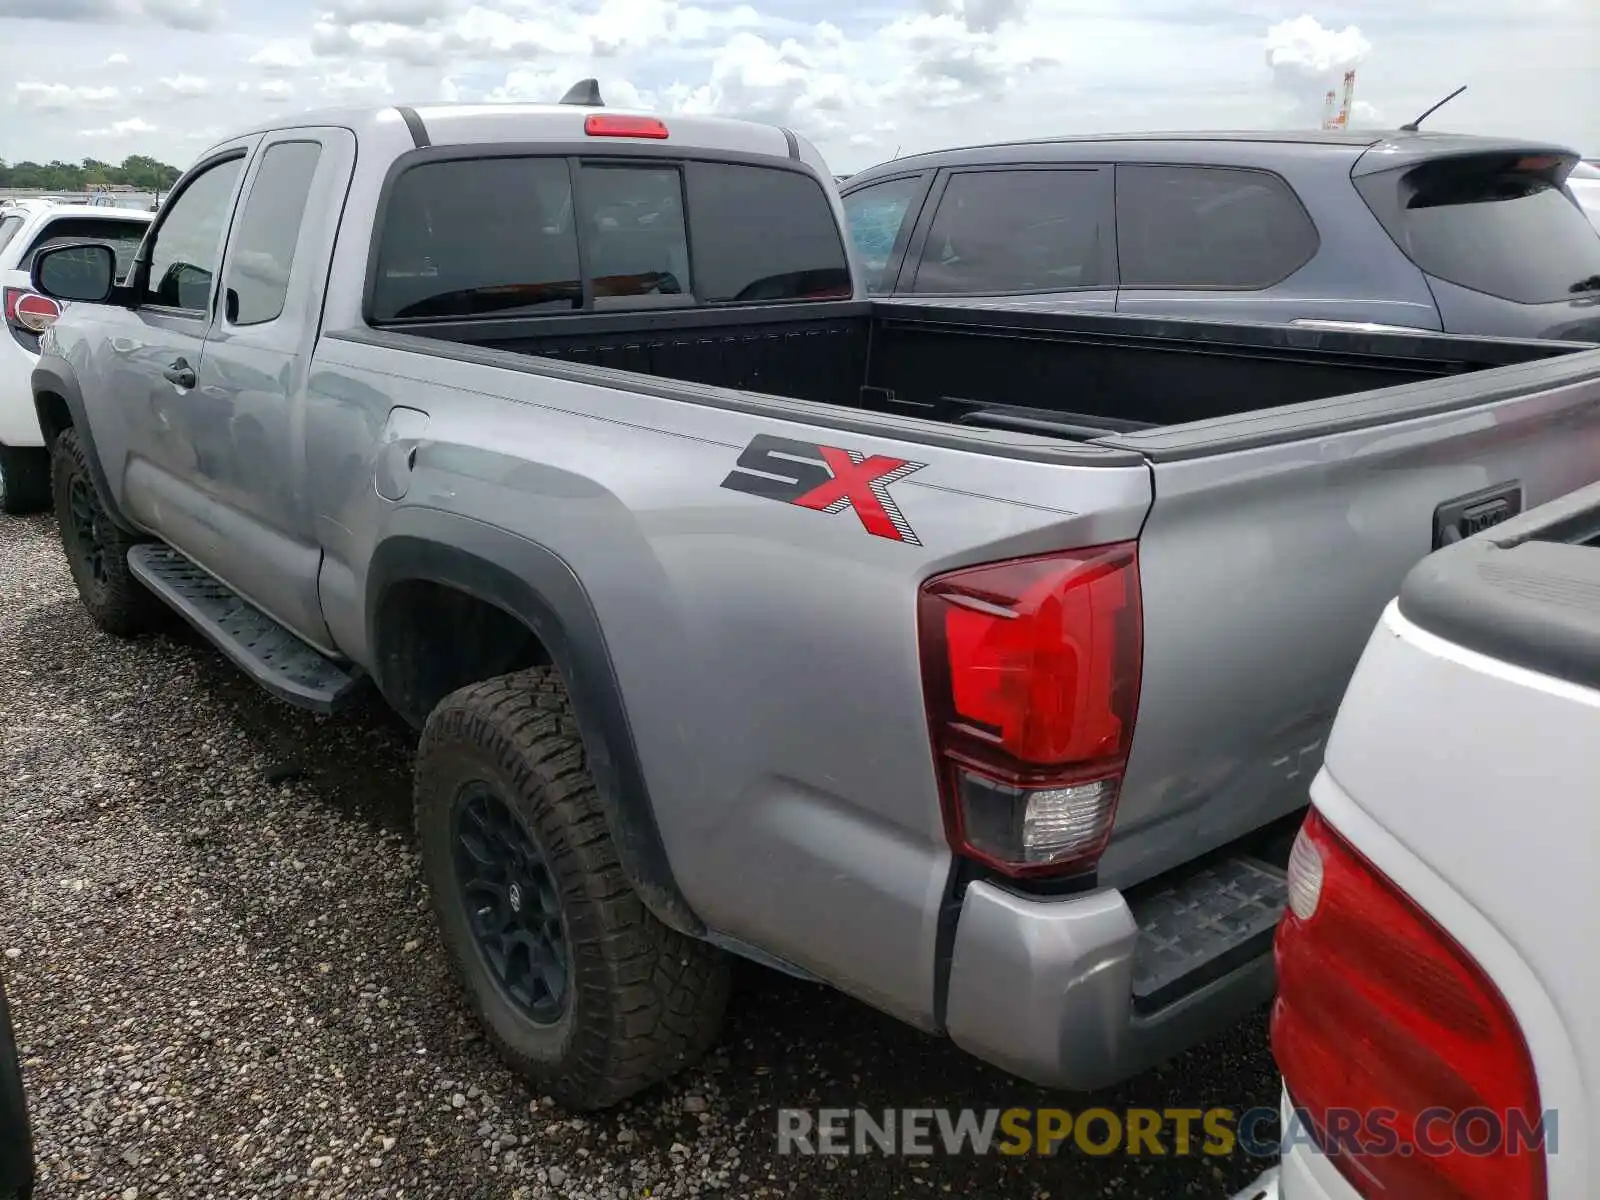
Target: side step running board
[(1199, 926), (270, 654)]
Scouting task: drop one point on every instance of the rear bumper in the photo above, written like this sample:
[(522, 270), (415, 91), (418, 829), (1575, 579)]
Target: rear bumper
[(1083, 992)]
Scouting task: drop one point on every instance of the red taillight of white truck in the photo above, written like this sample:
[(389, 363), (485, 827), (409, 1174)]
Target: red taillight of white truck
[(1380, 1011), (1031, 675)]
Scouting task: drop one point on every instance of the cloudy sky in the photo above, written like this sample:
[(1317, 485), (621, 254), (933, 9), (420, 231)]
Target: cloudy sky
[(863, 78)]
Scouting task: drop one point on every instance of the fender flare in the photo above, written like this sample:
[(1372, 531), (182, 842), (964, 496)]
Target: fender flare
[(536, 586), (55, 376)]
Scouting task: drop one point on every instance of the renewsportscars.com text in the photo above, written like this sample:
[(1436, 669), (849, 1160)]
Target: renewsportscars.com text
[(1180, 1132)]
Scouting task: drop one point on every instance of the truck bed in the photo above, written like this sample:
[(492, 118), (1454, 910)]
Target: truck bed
[(1073, 375)]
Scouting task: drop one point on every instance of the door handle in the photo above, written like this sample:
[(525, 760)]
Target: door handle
[(180, 373)]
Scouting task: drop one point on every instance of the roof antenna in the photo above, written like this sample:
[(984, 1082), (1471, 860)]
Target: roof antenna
[(1413, 127), (585, 92)]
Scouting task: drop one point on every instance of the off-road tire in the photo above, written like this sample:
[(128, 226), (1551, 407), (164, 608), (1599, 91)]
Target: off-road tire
[(643, 1000), (116, 601), (24, 480)]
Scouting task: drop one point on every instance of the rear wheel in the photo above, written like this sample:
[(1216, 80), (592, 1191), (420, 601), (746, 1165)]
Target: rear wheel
[(579, 987), (24, 479), (96, 548)]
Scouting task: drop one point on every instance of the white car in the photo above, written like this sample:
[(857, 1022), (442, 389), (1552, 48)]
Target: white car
[(25, 227), (1584, 183), (1441, 951)]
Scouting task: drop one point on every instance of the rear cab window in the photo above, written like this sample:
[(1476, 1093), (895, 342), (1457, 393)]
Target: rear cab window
[(9, 226), (1208, 227), (122, 236), (1498, 224), (535, 235)]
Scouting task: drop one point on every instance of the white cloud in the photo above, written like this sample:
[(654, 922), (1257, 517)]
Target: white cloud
[(282, 54), (1367, 116), (358, 82), (421, 34), (1308, 61), (188, 86), (393, 12), (548, 86), (132, 126), (184, 14), (63, 97), (173, 14), (861, 79)]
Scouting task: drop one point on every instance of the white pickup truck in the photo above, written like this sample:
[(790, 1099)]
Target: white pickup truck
[(1438, 1015)]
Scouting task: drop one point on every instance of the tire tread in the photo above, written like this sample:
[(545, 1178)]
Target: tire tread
[(662, 995)]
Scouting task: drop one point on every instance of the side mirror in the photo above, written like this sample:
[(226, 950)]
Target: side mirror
[(84, 271), (16, 1137)]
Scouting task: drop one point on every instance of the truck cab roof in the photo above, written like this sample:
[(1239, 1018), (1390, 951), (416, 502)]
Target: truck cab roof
[(460, 124)]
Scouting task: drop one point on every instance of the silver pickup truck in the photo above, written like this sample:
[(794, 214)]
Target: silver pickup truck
[(974, 662)]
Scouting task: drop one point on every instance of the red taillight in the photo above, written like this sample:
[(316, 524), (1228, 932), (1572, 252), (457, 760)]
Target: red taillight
[(1031, 671), (29, 310), (1380, 1010), (607, 125)]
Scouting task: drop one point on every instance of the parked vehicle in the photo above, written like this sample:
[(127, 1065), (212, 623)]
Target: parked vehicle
[(971, 661), (16, 1135), (1417, 230), (1585, 185), (1443, 897), (26, 228)]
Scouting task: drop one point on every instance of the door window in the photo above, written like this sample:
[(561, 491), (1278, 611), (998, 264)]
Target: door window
[(269, 226), (183, 261), (1017, 231), (878, 220), (1209, 227)]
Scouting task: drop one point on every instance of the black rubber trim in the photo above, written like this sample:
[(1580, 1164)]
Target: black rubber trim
[(794, 143), (537, 587), (413, 120), (55, 376), (1525, 592), (1565, 363), (16, 1137)]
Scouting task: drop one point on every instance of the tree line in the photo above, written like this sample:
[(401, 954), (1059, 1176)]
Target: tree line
[(138, 171)]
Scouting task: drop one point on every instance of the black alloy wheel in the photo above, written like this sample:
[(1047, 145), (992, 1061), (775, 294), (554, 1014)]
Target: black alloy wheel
[(511, 900), (84, 526)]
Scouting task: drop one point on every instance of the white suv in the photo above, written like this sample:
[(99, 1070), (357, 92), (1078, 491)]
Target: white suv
[(25, 227), (1438, 1012)]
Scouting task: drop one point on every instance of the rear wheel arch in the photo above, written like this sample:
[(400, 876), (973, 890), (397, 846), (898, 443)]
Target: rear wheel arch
[(518, 605)]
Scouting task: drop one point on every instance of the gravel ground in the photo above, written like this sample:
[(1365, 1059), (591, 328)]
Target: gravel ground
[(227, 982)]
